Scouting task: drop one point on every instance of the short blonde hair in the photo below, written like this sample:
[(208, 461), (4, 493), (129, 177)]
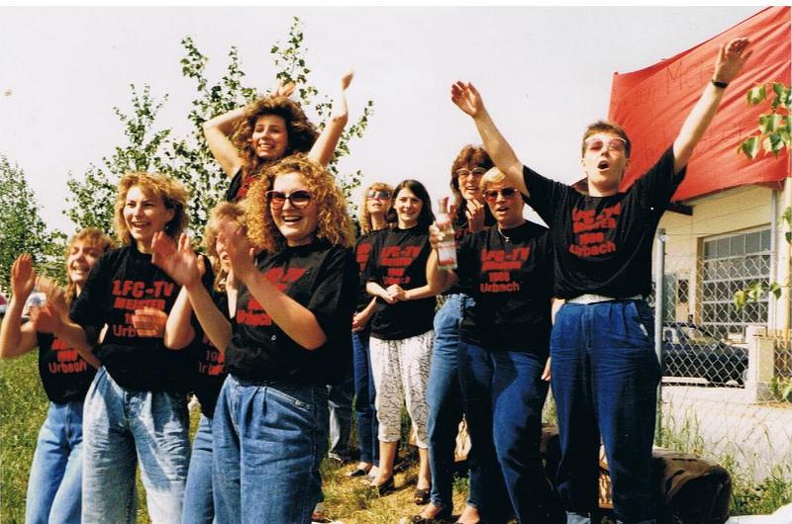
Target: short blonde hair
[(89, 235), (173, 195), (493, 176), (365, 216), (333, 222)]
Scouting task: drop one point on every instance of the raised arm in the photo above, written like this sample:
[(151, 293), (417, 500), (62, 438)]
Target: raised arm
[(296, 320), (218, 131), (728, 65), (324, 147), (467, 98), (178, 329), (17, 339), (181, 263)]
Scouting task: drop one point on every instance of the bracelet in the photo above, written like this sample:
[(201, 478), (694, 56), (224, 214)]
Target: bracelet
[(721, 85)]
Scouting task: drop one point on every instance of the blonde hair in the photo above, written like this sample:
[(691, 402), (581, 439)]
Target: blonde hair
[(333, 222), (223, 210), (365, 216), (493, 176), (173, 195), (89, 235)]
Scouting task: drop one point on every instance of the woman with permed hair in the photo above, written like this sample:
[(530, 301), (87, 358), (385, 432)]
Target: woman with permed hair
[(401, 333), (54, 490), (248, 139), (289, 338), (135, 410)]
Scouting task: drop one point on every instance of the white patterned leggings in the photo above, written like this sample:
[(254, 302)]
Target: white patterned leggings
[(401, 373)]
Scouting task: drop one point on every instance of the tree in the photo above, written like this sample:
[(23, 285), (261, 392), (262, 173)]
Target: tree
[(188, 158), (93, 196), (22, 230), (772, 135)]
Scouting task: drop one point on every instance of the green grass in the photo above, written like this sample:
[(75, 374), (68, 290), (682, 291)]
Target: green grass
[(24, 407)]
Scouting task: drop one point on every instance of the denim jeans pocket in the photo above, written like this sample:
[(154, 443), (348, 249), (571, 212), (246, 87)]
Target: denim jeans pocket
[(299, 397), (639, 322)]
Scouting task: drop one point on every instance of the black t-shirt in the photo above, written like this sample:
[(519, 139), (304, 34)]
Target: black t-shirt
[(512, 286), (461, 230), (399, 256), (121, 281), (362, 253), (64, 374), (324, 279), (209, 362), (238, 188), (603, 245)]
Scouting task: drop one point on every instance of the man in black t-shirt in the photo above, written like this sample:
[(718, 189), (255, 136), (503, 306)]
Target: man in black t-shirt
[(604, 370)]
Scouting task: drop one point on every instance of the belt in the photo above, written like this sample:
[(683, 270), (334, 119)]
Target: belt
[(590, 298)]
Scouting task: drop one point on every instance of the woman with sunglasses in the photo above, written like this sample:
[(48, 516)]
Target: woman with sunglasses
[(605, 371), (289, 338), (247, 139), (444, 394), (401, 330), (375, 205), (136, 409), (503, 353), (54, 491)]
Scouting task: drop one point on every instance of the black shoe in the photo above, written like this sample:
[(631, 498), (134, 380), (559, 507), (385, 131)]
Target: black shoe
[(386, 487), (421, 496), (358, 472), (442, 517)]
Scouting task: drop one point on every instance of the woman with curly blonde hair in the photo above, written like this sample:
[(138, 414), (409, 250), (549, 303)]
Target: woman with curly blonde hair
[(135, 410), (289, 338), (55, 484), (248, 139)]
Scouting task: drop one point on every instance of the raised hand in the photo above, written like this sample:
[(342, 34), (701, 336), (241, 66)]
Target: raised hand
[(46, 319), (284, 89), (179, 261), (731, 59), (240, 251), (346, 80), (23, 277), (475, 215), (467, 98), (55, 295)]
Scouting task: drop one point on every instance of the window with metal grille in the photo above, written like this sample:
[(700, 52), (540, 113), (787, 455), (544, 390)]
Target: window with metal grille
[(729, 264)]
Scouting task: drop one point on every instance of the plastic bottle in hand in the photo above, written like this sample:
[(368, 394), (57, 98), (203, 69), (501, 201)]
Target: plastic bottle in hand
[(446, 248)]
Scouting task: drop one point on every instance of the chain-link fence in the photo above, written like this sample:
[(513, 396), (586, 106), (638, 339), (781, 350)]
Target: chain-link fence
[(726, 389)]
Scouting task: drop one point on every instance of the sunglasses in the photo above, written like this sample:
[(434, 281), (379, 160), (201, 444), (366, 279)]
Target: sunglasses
[(477, 171), (299, 199), (381, 194), (506, 192), (615, 143)]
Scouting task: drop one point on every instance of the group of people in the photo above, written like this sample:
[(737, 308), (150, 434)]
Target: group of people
[(285, 302)]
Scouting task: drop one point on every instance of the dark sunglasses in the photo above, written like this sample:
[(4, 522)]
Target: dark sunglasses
[(299, 199), (381, 194), (506, 192)]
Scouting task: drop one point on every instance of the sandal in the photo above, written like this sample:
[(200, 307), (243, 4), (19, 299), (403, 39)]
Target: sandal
[(442, 516), (384, 488), (421, 496)]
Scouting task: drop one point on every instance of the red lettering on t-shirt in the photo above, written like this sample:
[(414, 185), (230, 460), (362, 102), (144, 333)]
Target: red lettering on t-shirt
[(362, 255), (594, 233), (397, 259)]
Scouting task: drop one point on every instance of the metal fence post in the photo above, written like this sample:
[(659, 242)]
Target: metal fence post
[(659, 301)]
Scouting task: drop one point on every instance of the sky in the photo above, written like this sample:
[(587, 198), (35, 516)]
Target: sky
[(544, 73)]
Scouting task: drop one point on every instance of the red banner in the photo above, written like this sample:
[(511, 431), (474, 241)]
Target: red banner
[(651, 105)]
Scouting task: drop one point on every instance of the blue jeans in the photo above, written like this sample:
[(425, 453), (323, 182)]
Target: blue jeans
[(339, 397), (504, 395), (444, 397), (365, 394), (198, 493), (605, 377), (123, 428), (55, 486), (269, 442)]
